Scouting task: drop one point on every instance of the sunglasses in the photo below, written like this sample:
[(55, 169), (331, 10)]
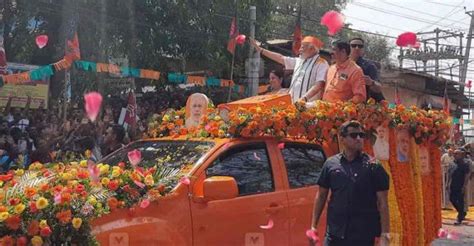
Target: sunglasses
[(357, 134), (360, 46)]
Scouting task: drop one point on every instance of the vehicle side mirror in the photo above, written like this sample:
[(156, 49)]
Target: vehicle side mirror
[(220, 188)]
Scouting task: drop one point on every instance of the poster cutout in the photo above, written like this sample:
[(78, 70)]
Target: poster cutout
[(424, 159), (403, 145), (196, 108), (381, 146)]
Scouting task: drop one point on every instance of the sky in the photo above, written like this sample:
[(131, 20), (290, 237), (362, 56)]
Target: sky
[(393, 17)]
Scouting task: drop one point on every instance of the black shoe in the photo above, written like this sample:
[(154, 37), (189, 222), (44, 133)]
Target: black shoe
[(457, 223)]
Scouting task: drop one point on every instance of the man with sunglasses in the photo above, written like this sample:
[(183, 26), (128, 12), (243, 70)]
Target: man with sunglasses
[(371, 74), (358, 209)]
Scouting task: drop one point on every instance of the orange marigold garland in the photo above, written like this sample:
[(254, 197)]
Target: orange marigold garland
[(435, 160), (416, 179), (317, 123), (396, 227), (429, 202), (401, 173)]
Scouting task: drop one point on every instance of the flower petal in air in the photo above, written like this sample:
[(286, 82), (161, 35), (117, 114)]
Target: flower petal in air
[(268, 226)]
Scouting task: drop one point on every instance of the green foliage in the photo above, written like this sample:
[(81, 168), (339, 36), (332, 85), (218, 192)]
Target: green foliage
[(166, 35)]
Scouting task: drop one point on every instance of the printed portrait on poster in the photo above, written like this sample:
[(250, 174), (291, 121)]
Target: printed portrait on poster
[(196, 108), (403, 145), (424, 155), (381, 146)]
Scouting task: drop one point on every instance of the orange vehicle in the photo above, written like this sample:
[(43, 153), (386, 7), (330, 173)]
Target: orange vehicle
[(237, 189)]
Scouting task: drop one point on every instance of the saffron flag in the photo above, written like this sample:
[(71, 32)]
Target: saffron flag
[(131, 114), (72, 49), (233, 33), (297, 36)]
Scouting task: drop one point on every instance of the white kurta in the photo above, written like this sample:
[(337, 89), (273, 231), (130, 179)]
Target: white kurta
[(306, 73)]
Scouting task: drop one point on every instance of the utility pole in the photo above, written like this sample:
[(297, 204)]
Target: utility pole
[(437, 52), (465, 64), (254, 58)]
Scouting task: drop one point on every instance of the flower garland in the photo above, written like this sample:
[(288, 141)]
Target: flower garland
[(416, 178), (396, 227), (429, 201), (318, 123), (55, 204), (435, 155), (402, 180)]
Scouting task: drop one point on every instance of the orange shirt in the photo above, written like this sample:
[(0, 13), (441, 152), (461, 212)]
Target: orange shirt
[(345, 82)]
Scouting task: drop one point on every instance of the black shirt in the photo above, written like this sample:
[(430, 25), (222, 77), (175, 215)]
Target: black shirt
[(352, 210), (459, 174), (369, 69)]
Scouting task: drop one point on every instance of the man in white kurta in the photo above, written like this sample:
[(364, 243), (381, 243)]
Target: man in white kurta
[(309, 70)]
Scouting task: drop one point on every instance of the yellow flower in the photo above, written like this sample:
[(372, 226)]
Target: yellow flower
[(73, 172), (149, 180), (19, 172), (3, 216), (105, 181), (83, 163), (74, 163), (37, 241), (217, 118), (19, 208), (76, 223), (242, 119), (41, 203), (92, 200), (221, 133), (104, 168), (166, 118), (43, 224), (115, 173), (1, 183), (66, 176)]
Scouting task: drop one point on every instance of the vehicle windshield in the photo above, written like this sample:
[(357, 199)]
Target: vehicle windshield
[(172, 154)]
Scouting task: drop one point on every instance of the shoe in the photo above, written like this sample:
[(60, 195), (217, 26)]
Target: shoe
[(457, 223)]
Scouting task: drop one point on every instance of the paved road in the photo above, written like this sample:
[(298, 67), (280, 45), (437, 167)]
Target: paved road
[(465, 231)]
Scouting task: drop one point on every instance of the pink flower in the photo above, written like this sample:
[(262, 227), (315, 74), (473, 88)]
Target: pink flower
[(333, 20), (93, 101), (185, 180), (145, 203), (269, 225), (57, 198), (134, 156), (405, 39), (41, 41)]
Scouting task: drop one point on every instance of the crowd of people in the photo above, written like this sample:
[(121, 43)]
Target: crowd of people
[(30, 135)]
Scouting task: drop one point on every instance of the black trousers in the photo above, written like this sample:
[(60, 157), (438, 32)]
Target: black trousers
[(336, 241), (456, 196)]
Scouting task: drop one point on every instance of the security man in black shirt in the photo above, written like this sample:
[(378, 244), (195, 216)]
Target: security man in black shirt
[(371, 73), (358, 208), (459, 180)]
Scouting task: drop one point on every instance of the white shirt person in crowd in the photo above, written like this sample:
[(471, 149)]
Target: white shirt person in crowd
[(309, 70)]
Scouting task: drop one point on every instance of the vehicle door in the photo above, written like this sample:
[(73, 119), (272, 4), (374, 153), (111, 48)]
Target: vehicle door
[(303, 163), (261, 201)]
